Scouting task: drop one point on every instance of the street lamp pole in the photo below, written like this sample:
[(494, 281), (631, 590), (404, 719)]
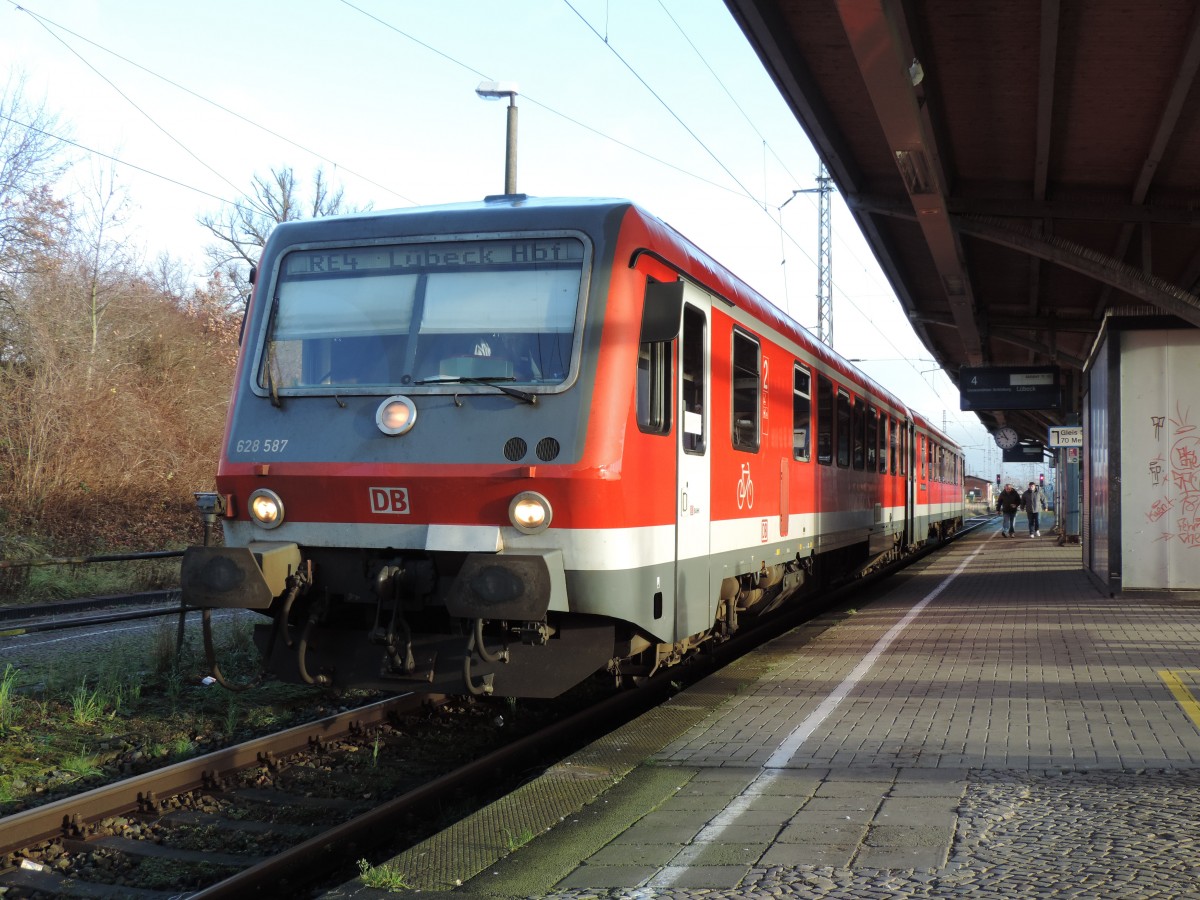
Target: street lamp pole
[(494, 90)]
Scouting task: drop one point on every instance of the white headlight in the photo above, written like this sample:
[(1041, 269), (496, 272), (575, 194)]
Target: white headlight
[(529, 512), (266, 509), (396, 415)]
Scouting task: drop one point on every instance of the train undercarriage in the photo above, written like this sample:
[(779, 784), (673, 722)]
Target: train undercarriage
[(401, 624)]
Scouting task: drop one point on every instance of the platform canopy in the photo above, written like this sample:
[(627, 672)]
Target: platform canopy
[(1019, 168)]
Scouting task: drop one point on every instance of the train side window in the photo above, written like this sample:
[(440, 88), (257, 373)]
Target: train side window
[(746, 391), (872, 438), (801, 413), (843, 428), (654, 387), (824, 420), (695, 339)]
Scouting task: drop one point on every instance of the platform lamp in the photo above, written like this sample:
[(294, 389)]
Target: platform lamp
[(494, 90)]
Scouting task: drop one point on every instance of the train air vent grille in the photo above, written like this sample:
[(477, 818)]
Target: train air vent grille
[(514, 449), (547, 449)]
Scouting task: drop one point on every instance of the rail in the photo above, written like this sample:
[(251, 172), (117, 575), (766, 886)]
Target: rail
[(84, 560)]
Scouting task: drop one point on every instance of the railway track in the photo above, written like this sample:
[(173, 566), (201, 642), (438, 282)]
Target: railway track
[(272, 827), (117, 817), (258, 798)]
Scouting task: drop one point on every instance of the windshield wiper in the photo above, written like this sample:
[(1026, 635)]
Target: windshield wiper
[(523, 396)]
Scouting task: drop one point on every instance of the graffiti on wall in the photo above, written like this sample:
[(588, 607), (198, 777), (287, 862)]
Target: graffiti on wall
[(1174, 475)]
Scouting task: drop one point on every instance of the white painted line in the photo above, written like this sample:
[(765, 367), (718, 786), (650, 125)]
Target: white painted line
[(712, 833)]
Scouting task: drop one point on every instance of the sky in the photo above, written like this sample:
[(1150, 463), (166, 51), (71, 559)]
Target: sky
[(662, 102)]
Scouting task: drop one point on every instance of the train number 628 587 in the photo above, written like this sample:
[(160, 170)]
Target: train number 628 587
[(268, 445)]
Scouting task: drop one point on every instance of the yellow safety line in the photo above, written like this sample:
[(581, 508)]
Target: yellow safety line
[(1185, 697), (12, 632)]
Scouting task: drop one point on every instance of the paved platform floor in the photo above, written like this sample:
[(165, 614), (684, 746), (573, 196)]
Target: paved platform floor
[(993, 725)]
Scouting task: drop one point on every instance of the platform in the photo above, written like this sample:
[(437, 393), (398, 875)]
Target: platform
[(992, 723)]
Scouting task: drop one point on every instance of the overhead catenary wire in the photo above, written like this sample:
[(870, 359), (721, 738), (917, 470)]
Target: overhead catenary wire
[(740, 189)]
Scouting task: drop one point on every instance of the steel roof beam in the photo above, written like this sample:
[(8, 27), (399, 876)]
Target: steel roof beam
[(1111, 272), (1067, 210), (1185, 75), (769, 33), (873, 28)]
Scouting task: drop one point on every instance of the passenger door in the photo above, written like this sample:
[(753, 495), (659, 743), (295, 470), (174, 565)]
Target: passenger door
[(693, 595)]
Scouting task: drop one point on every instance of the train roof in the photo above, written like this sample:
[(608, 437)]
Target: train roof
[(589, 213)]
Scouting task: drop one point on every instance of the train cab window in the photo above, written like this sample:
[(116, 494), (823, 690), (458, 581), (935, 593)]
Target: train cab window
[(692, 367), (801, 413), (843, 428), (654, 387), (746, 391), (872, 438), (824, 420), (371, 319)]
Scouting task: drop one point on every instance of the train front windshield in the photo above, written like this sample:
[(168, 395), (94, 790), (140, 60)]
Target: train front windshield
[(361, 319)]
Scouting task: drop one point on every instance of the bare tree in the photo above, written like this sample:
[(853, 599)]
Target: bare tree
[(30, 159), (242, 229), (102, 247), (32, 220)]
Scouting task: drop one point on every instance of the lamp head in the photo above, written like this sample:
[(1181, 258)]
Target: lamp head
[(495, 90)]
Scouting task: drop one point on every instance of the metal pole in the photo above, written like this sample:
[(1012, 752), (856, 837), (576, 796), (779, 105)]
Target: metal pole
[(510, 152)]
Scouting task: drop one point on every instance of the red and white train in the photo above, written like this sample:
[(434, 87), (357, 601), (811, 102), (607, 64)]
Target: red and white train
[(498, 447)]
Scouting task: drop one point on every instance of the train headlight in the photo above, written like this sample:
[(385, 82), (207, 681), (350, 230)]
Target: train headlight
[(396, 415), (266, 509), (529, 512)]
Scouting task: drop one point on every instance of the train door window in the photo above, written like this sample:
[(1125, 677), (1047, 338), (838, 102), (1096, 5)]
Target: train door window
[(872, 438), (695, 339), (801, 413), (824, 420), (894, 445), (883, 442), (860, 432), (843, 428), (654, 387), (746, 388)]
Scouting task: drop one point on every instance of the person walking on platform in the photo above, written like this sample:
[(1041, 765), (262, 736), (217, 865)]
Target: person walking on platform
[(1008, 503), (1033, 501)]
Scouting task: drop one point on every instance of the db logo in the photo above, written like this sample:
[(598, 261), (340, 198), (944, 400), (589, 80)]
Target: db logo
[(391, 501)]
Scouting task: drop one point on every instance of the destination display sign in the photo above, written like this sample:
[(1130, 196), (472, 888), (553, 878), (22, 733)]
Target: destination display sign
[(1025, 453), (1009, 387), (415, 258), (1066, 436)]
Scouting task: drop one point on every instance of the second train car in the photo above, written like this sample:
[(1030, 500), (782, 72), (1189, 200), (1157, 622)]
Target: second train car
[(497, 447)]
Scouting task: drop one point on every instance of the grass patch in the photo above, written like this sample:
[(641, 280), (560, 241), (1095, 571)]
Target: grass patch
[(133, 705), (515, 842), (41, 584), (386, 877), (8, 684)]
